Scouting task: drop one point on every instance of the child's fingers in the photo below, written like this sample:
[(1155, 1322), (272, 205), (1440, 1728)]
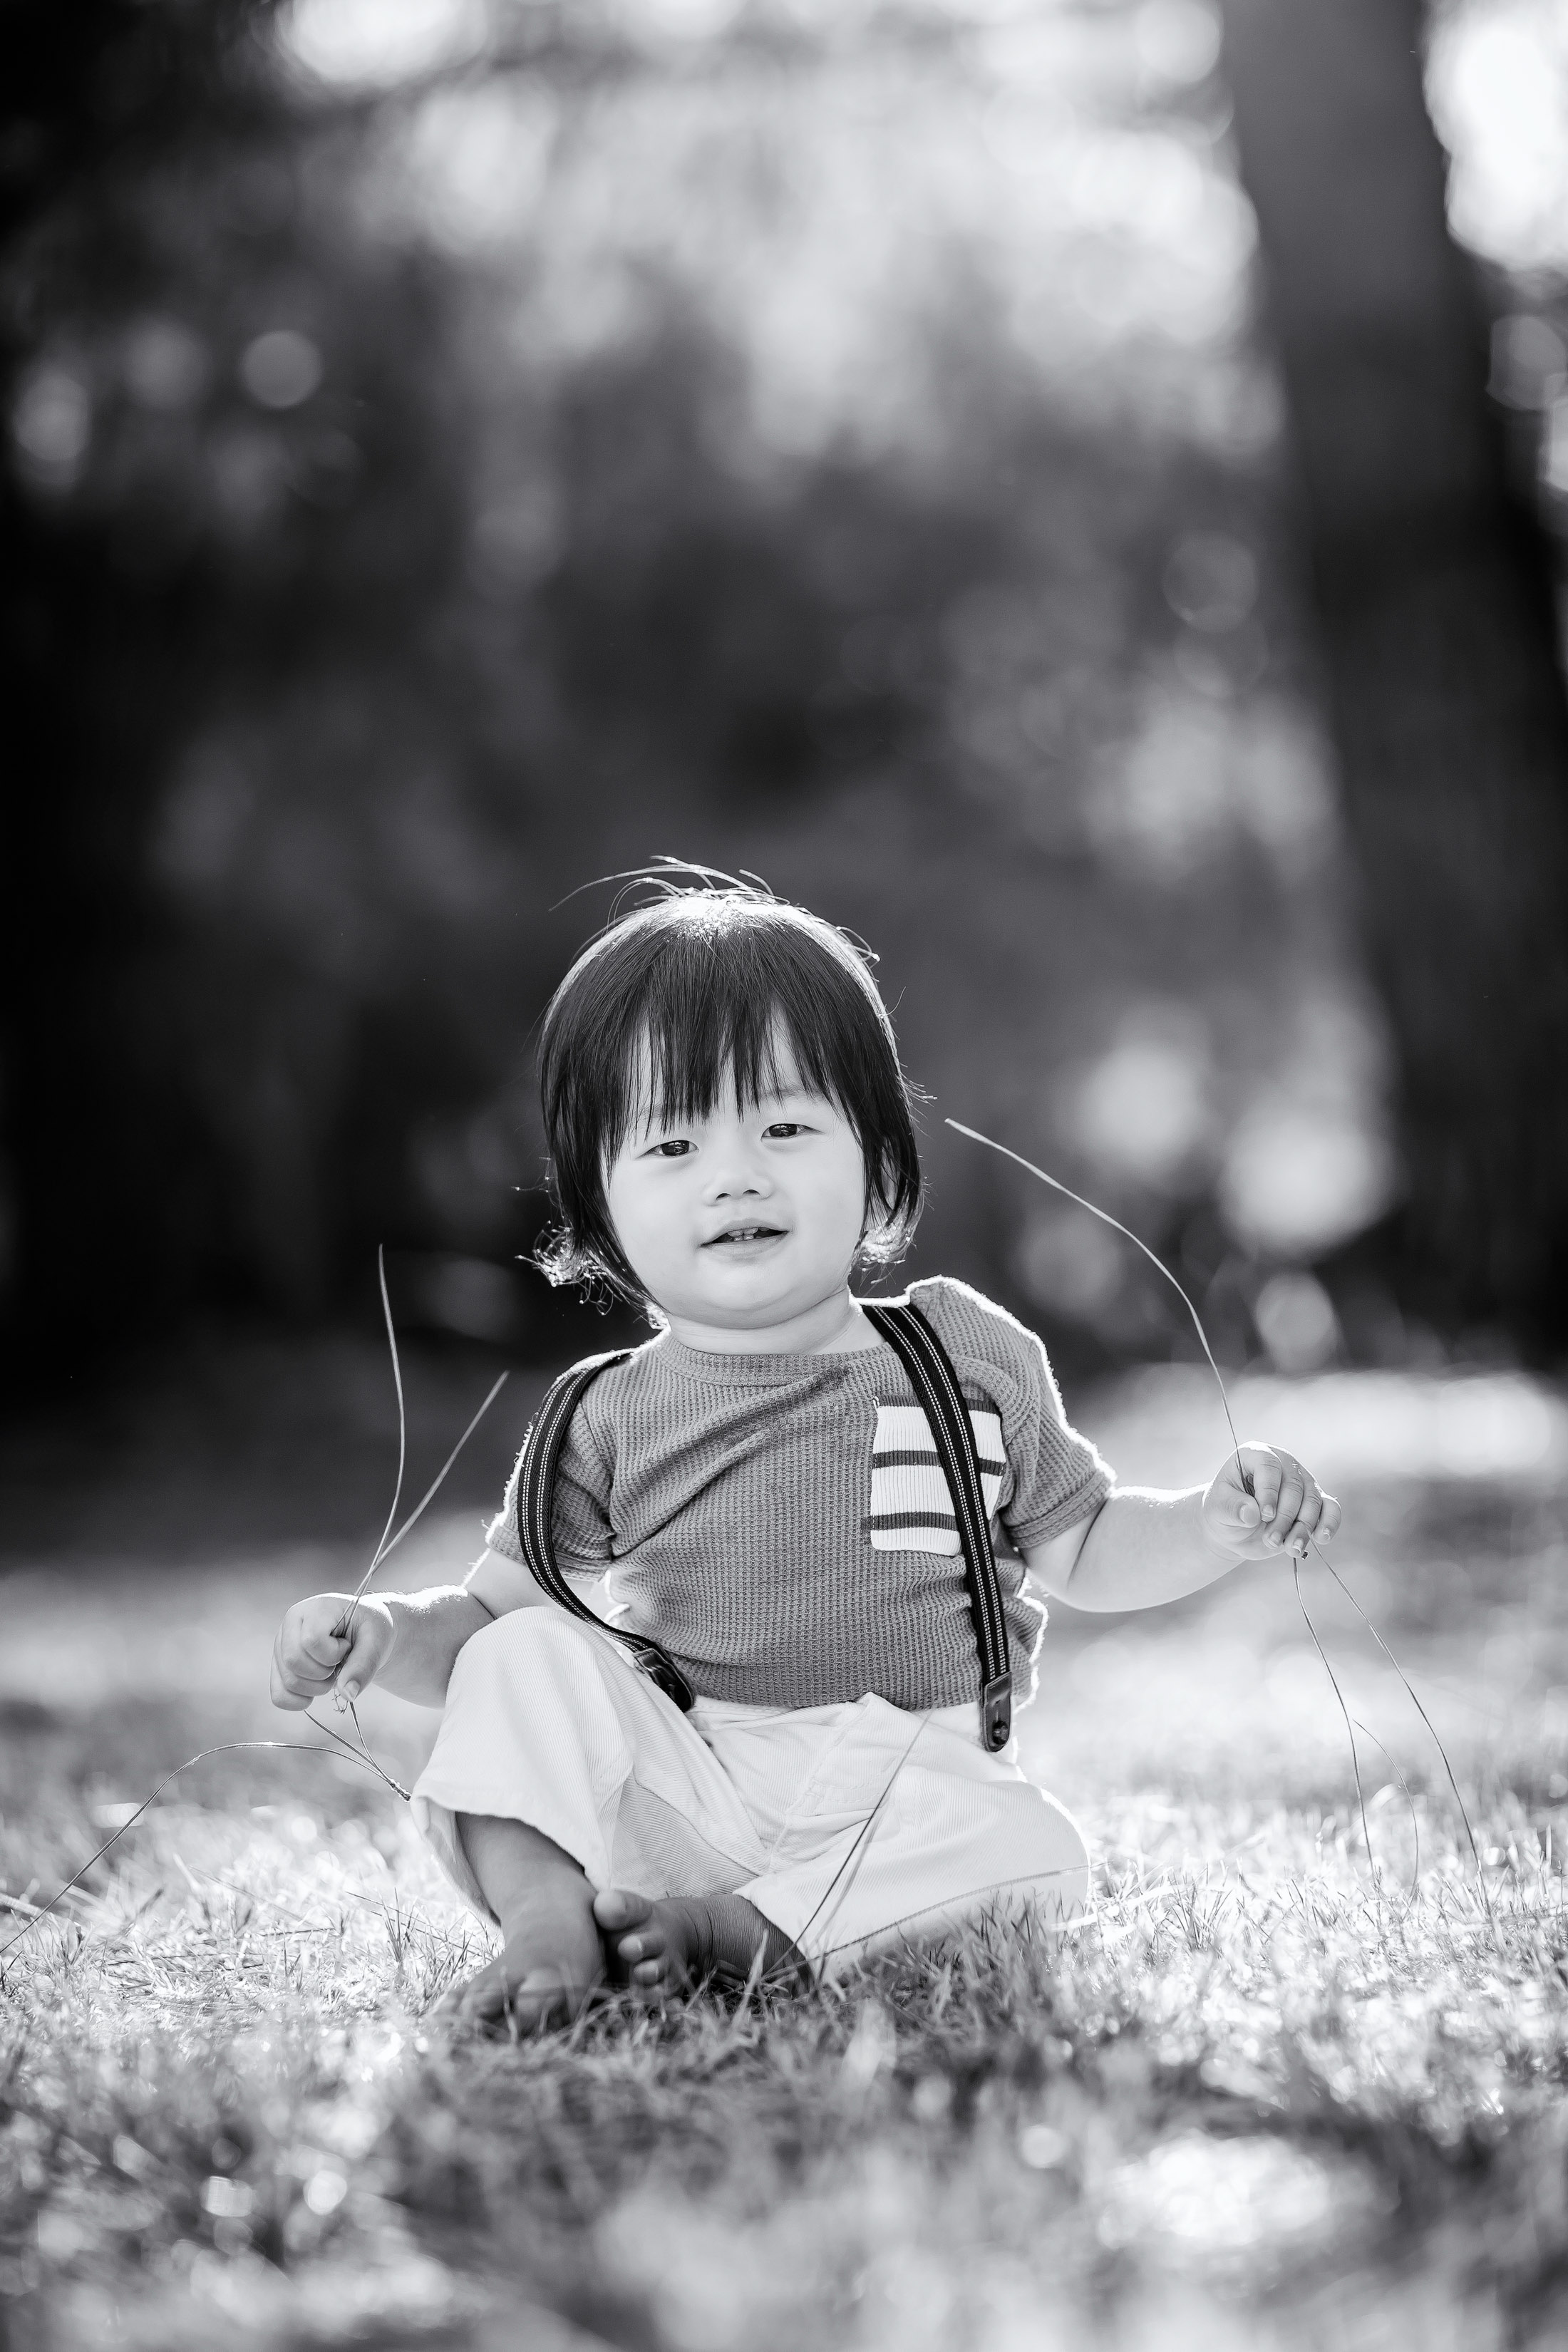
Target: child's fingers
[(307, 1653), (1232, 1494), (1281, 1490), (319, 1647), (1301, 1529), (284, 1695), (1262, 1465), (293, 1686), (1287, 1504), (1286, 1509), (1315, 1521), (365, 1644)]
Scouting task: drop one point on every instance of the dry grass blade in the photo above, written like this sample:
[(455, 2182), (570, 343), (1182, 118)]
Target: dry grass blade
[(402, 1418), (224, 1747), (863, 1836), (1404, 1787), (1437, 1742), (1160, 1266), (1350, 1727), (387, 1549), (1128, 1234), (361, 1754)]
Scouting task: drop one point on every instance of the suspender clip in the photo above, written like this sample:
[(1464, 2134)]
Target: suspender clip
[(663, 1672), (996, 1713)]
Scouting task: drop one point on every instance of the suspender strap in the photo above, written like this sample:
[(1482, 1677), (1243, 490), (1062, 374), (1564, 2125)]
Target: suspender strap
[(935, 1383), (536, 1523)]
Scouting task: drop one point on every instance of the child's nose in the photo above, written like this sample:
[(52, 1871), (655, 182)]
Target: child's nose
[(737, 1176)]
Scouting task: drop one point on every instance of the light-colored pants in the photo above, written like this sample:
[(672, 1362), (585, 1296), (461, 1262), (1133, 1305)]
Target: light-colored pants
[(849, 1827)]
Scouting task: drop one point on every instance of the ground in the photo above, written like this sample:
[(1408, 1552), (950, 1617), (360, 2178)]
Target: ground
[(1275, 2094)]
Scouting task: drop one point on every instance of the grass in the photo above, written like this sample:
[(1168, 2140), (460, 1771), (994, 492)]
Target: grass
[(1261, 2091), (1268, 2097)]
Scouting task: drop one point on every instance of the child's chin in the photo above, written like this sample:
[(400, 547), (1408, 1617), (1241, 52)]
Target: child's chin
[(753, 1302), (757, 1294), (754, 1267)]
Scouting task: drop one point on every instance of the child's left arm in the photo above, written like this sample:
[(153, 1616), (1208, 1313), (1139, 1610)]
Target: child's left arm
[(1142, 1547)]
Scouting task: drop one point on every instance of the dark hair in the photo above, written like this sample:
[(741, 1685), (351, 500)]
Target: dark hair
[(695, 991)]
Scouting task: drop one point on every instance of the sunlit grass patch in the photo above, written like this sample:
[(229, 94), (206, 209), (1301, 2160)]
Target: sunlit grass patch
[(1264, 2092), (200, 2058)]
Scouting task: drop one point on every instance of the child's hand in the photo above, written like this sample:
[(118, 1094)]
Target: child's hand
[(1285, 1509), (311, 1654)]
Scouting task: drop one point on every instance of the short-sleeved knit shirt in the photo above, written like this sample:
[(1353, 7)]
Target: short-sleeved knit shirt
[(780, 1524)]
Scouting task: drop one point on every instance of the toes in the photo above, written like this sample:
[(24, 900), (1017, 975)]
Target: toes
[(649, 1943), (468, 2004), (480, 2007), (614, 1908), (633, 1933), (489, 2002)]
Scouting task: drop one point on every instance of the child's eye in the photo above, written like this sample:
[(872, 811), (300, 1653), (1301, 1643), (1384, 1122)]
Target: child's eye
[(784, 1128), (675, 1146)]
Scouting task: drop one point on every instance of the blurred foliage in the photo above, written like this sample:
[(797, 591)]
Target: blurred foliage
[(1433, 590), (455, 454)]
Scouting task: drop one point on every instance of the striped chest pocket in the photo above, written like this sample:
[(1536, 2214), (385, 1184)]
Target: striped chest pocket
[(911, 1509)]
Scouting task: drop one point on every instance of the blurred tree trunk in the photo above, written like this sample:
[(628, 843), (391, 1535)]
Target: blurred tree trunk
[(1436, 628)]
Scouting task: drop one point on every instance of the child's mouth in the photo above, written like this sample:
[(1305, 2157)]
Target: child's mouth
[(739, 1234)]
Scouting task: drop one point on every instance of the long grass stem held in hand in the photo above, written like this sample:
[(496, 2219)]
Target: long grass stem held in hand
[(389, 1542), (1160, 1266)]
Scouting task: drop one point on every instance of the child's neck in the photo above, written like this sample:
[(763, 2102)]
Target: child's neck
[(834, 1327)]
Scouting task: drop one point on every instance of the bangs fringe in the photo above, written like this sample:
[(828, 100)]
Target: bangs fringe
[(678, 1002)]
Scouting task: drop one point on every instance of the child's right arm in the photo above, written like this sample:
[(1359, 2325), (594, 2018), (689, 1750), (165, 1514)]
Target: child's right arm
[(408, 1642)]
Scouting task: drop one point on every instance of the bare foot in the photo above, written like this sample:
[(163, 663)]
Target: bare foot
[(666, 1945), (656, 1946), (547, 1971)]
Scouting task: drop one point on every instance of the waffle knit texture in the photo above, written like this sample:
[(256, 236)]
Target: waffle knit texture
[(778, 1523)]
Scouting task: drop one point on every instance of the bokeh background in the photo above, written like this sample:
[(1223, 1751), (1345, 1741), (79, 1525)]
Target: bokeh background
[(1077, 493)]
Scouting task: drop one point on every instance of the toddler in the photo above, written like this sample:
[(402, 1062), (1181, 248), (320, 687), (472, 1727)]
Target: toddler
[(758, 1491)]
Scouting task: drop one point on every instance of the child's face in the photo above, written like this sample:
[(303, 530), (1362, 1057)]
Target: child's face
[(747, 1218)]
